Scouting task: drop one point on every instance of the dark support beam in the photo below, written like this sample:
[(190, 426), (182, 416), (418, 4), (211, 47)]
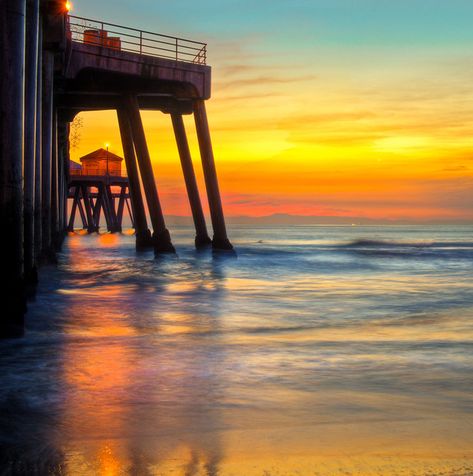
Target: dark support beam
[(56, 240), (86, 101), (161, 237), (67, 157), (121, 206), (38, 225), (202, 238), (97, 209), (130, 211), (46, 155), (102, 199), (91, 226), (31, 81), (75, 200), (83, 217), (143, 235), (220, 239), (12, 44), (110, 201), (63, 156)]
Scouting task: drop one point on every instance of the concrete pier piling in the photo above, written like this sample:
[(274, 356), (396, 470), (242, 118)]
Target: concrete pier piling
[(55, 214), (12, 60), (220, 239), (30, 131), (161, 237), (63, 159), (38, 243), (202, 238), (142, 233), (46, 154)]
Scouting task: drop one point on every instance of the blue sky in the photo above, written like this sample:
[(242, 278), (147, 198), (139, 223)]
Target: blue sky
[(334, 22)]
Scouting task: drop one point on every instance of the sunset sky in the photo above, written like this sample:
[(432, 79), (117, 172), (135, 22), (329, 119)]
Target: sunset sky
[(319, 107)]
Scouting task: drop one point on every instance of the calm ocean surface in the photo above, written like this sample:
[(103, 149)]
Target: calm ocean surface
[(319, 350)]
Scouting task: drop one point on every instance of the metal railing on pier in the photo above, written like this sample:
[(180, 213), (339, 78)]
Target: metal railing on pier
[(140, 42), (96, 173)]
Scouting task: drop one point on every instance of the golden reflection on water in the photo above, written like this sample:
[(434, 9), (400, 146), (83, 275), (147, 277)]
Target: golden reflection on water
[(108, 240), (166, 407)]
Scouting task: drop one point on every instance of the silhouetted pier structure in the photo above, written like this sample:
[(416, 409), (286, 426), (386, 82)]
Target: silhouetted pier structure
[(55, 66), (91, 195), (98, 186)]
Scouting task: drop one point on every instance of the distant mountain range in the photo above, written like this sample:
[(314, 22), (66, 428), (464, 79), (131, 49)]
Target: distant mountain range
[(287, 219)]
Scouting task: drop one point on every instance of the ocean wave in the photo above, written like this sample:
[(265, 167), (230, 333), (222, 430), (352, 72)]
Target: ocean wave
[(367, 243)]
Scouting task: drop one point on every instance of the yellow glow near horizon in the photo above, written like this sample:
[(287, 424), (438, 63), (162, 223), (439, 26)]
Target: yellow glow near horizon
[(325, 148)]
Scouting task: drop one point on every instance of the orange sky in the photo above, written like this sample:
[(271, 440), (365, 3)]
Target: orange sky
[(371, 131)]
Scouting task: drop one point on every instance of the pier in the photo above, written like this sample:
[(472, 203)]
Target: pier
[(54, 66)]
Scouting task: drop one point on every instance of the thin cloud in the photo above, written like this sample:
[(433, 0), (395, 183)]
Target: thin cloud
[(263, 81)]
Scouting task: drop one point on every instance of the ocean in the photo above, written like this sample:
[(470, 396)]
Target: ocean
[(316, 350)]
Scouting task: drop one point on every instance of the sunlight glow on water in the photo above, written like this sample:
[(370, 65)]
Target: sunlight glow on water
[(319, 350)]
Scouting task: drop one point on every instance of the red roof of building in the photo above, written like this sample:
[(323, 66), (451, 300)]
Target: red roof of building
[(101, 154)]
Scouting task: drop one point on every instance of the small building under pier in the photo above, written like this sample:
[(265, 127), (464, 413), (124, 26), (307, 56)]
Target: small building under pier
[(101, 162)]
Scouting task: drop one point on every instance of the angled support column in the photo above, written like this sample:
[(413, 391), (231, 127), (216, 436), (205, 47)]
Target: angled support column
[(121, 206), (91, 226), (102, 201), (110, 201), (12, 56), (161, 237), (142, 233), (130, 210), (97, 209), (202, 238), (220, 240), (81, 210), (75, 201), (31, 90)]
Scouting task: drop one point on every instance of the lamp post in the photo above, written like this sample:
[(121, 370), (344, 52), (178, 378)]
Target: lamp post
[(107, 145)]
